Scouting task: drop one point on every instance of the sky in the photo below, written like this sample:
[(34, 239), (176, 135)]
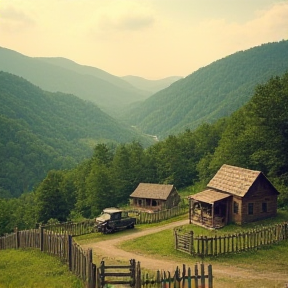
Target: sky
[(153, 39)]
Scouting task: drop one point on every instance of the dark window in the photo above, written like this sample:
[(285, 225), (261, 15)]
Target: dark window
[(264, 207), (250, 208), (154, 203), (235, 207)]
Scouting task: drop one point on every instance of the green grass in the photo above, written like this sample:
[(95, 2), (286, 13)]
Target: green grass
[(267, 259), (31, 268), (161, 246)]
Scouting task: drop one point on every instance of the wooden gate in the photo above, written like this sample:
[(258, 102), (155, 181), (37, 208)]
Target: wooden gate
[(117, 277)]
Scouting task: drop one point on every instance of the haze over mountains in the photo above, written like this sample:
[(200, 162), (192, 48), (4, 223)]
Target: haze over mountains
[(211, 92), (109, 92), (43, 130)]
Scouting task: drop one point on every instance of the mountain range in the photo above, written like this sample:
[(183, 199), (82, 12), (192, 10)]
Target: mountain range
[(109, 92), (210, 93), (41, 131)]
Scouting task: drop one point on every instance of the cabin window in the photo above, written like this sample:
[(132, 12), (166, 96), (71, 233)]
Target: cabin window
[(154, 203), (235, 207), (250, 208), (264, 207)]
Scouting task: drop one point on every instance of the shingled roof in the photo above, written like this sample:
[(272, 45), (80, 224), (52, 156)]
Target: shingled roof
[(233, 180), (152, 191), (209, 196)]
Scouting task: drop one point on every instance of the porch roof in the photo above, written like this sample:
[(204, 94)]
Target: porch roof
[(209, 196)]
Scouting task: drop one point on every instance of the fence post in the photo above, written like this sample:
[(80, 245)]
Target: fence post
[(133, 272), (191, 242), (90, 268), (16, 238), (138, 276), (175, 238), (70, 252), (41, 238), (196, 276), (202, 275), (210, 276)]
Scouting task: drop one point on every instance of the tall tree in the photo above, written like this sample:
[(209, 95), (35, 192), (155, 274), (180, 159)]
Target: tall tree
[(51, 201)]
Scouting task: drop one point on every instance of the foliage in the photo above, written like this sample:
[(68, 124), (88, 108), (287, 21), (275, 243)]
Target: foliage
[(253, 137), (210, 93), (41, 131)]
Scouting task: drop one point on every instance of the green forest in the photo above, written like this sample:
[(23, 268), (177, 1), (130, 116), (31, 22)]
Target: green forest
[(211, 92), (254, 137), (41, 131)]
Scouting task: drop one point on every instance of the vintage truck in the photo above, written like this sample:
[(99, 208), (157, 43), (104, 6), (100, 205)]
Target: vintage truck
[(113, 219)]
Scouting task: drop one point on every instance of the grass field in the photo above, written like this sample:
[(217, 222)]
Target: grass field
[(31, 268), (268, 260)]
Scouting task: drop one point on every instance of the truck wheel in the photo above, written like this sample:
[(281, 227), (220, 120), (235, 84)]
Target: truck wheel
[(108, 230), (131, 226)]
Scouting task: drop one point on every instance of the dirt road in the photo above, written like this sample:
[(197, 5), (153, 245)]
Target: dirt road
[(109, 249)]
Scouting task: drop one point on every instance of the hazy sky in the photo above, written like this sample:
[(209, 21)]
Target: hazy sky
[(148, 38)]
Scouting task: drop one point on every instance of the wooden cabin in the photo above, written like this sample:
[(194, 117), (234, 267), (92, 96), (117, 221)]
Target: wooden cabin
[(234, 195), (154, 197)]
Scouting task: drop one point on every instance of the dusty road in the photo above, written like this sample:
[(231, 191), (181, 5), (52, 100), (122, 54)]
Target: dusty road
[(109, 249)]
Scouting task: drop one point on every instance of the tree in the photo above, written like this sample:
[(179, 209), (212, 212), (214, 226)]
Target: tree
[(51, 201)]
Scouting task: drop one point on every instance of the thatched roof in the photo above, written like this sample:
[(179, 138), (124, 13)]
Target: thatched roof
[(233, 180), (209, 196), (152, 191)]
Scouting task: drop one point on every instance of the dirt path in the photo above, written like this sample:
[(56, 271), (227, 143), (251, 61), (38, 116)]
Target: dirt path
[(108, 249)]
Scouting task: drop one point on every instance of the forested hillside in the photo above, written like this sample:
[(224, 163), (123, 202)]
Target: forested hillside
[(109, 92), (254, 137), (210, 93), (41, 131)]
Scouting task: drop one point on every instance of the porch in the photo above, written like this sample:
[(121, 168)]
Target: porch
[(209, 208)]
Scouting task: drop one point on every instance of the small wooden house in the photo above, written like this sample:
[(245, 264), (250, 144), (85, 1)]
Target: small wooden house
[(154, 197), (236, 195)]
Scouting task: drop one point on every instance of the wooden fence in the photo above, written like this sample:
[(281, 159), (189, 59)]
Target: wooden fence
[(147, 218), (184, 279), (231, 243), (71, 228), (61, 245), (126, 276), (134, 277), (80, 263)]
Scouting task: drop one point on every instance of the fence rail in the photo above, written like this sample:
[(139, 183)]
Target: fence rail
[(143, 217), (230, 243)]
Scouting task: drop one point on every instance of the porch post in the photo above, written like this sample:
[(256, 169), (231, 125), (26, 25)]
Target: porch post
[(227, 211), (212, 213), (190, 215)]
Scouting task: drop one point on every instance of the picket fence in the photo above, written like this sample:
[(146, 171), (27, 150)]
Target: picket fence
[(231, 243), (72, 228), (80, 263), (135, 277), (143, 217)]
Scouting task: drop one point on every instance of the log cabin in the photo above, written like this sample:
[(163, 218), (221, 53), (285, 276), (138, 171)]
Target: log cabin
[(154, 197), (233, 195)]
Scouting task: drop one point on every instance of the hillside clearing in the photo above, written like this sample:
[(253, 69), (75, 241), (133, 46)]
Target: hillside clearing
[(154, 248)]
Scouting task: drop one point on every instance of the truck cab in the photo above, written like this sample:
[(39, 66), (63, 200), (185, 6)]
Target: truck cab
[(113, 219)]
